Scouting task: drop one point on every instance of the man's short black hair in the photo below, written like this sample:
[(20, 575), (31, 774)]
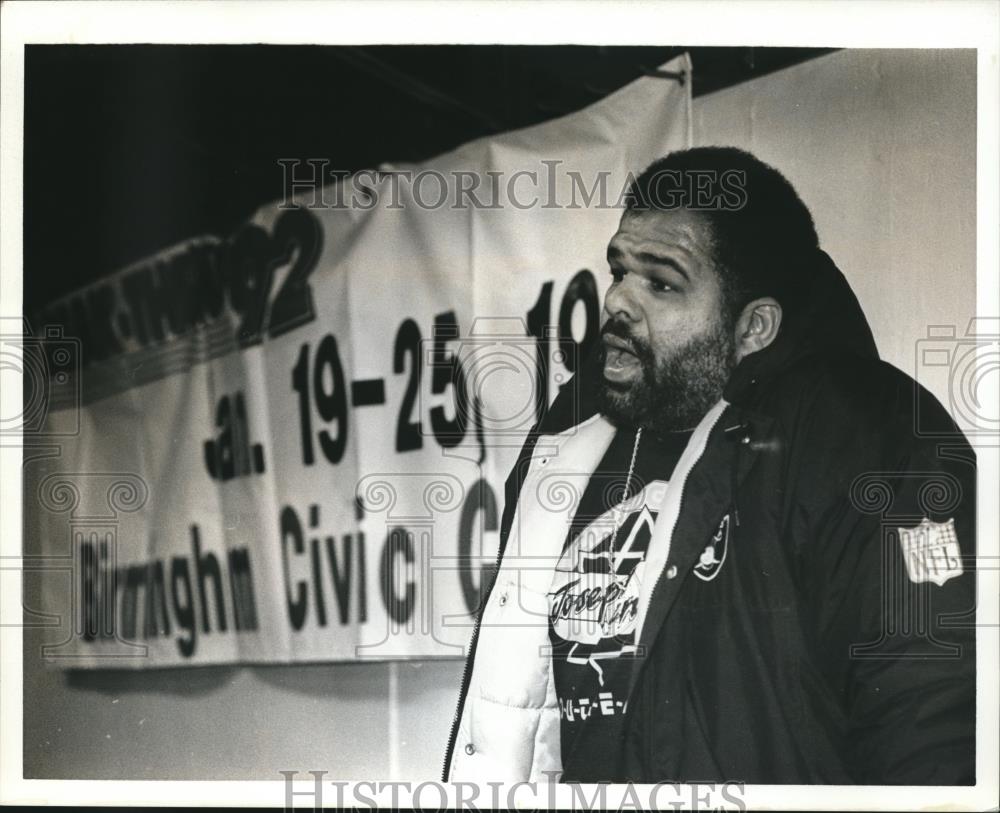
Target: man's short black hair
[(764, 240)]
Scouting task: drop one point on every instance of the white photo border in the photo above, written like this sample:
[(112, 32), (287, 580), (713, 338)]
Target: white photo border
[(818, 23)]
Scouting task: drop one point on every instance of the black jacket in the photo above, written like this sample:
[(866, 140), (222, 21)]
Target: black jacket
[(810, 655)]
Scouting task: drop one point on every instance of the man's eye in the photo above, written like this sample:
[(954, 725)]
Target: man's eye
[(617, 274), (659, 286)]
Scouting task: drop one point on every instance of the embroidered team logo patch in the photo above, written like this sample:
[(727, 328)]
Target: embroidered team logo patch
[(711, 559), (931, 552)]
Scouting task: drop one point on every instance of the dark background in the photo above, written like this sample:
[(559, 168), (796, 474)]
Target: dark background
[(129, 149)]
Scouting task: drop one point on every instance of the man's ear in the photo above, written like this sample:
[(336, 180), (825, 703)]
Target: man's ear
[(757, 326)]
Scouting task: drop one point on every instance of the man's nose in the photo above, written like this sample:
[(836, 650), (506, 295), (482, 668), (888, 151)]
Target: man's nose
[(620, 300)]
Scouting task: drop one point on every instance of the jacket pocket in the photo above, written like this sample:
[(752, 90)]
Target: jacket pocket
[(513, 656)]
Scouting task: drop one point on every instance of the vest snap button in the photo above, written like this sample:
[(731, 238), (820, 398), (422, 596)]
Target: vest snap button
[(672, 571), (503, 599), (470, 749)]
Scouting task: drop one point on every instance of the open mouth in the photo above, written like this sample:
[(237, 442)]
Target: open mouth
[(620, 363)]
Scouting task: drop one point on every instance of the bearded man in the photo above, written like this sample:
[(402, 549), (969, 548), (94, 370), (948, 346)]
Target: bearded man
[(727, 553)]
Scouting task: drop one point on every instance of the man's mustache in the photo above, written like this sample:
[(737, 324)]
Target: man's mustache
[(615, 327)]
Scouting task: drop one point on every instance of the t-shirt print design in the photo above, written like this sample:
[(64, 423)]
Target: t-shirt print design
[(594, 598)]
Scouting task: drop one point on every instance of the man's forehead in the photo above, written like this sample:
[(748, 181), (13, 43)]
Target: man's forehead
[(678, 229)]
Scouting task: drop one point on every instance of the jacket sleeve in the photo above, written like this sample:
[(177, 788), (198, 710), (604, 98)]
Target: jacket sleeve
[(889, 578)]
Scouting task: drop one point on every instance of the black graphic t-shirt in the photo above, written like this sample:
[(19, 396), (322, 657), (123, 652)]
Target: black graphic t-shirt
[(594, 599)]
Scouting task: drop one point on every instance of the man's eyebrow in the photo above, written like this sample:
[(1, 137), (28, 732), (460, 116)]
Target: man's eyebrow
[(654, 259)]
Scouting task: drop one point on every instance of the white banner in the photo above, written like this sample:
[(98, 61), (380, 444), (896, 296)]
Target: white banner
[(290, 444)]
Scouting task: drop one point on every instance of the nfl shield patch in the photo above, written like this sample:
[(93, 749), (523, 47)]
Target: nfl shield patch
[(931, 551)]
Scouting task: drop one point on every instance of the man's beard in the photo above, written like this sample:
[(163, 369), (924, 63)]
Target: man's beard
[(674, 393)]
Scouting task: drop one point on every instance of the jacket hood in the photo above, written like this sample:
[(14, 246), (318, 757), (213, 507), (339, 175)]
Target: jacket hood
[(828, 319)]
